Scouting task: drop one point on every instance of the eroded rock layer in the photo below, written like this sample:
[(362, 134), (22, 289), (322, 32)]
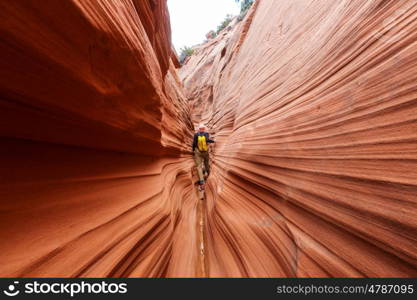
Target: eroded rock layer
[(314, 108), (94, 179)]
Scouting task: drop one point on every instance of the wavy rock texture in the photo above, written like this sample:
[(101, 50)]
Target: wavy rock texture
[(94, 176), (314, 108)]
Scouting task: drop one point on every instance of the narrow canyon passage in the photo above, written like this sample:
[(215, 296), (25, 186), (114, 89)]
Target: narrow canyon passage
[(313, 106)]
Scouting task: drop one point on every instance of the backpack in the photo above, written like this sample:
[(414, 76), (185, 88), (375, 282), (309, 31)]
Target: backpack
[(202, 144)]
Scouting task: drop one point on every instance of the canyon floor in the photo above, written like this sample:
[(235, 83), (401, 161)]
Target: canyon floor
[(313, 106)]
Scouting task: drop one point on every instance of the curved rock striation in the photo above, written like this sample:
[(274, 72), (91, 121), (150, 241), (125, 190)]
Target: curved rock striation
[(95, 178), (313, 105)]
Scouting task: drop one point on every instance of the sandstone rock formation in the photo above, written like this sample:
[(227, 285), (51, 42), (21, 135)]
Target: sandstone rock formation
[(313, 107), (95, 180)]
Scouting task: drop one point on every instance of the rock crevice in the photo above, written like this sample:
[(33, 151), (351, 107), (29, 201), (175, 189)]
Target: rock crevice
[(313, 107)]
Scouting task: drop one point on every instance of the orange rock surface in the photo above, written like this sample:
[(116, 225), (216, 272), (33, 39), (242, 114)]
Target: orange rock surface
[(313, 106), (95, 180)]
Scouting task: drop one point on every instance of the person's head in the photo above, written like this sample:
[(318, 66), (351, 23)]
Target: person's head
[(201, 127)]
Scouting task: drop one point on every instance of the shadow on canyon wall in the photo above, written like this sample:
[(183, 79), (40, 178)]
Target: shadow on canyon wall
[(314, 173)]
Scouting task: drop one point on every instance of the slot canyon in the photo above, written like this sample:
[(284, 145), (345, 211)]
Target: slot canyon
[(313, 107)]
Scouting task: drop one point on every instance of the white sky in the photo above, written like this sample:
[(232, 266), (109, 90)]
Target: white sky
[(192, 19)]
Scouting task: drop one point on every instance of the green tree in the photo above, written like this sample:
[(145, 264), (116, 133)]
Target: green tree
[(185, 52), (224, 24), (244, 5)]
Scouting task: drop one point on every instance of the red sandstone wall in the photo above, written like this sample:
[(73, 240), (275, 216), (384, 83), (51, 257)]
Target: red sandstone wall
[(94, 180), (313, 105)]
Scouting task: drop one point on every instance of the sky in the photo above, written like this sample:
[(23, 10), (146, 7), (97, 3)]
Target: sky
[(192, 19)]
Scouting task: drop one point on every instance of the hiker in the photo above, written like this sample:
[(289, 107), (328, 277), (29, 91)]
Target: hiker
[(201, 154)]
